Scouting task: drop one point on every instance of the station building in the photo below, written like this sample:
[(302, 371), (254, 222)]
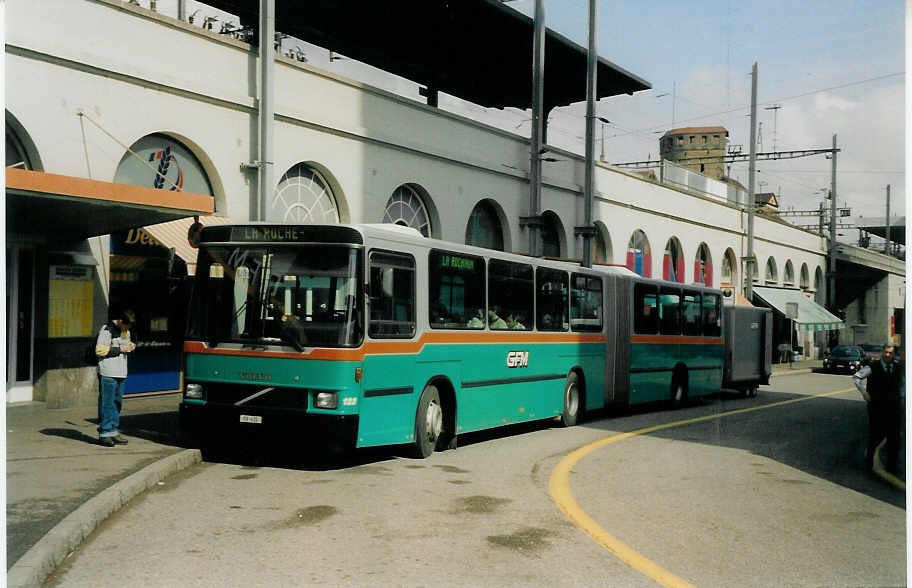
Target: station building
[(124, 124)]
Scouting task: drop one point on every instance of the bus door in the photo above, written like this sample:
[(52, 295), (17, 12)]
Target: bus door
[(669, 352), (387, 413)]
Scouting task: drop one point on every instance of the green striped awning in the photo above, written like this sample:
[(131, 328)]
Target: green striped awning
[(811, 316)]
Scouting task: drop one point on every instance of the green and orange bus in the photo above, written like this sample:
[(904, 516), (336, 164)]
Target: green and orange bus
[(370, 335)]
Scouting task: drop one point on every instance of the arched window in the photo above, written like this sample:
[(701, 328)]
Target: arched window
[(551, 230), (303, 196), (639, 254), (602, 244), (703, 269), (406, 207), (805, 278), (159, 161), (755, 273), (788, 279), (16, 153), (771, 275), (729, 269), (673, 261), (484, 228)]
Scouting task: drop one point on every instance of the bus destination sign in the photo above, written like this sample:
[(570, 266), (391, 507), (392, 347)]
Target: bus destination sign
[(277, 234), (456, 262)]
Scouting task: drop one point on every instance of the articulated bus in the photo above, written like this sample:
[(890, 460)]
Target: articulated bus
[(369, 335)]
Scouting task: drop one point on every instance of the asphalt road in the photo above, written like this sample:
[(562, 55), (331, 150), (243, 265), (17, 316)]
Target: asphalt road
[(774, 496)]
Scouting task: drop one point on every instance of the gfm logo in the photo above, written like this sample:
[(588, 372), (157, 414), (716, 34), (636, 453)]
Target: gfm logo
[(517, 359)]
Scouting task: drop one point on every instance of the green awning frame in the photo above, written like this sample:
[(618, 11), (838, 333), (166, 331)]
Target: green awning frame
[(811, 316)]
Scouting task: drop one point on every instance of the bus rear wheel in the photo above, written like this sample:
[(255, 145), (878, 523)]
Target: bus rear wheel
[(428, 422), (571, 401)]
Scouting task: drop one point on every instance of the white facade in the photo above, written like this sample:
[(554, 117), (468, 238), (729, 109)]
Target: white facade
[(870, 317), (86, 79)]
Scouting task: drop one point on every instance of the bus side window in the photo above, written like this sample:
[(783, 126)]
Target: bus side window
[(669, 311), (392, 295), (511, 291), (646, 315), (691, 307), (712, 315), (456, 290), (551, 299), (586, 303)]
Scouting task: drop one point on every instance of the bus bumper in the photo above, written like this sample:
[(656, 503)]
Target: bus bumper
[(207, 424)]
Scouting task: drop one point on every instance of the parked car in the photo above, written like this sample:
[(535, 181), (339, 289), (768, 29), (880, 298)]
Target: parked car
[(844, 358), (873, 352)]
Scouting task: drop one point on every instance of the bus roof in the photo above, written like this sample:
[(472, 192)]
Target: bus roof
[(362, 233)]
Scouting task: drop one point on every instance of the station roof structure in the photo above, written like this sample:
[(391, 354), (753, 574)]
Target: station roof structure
[(476, 50), (878, 226)]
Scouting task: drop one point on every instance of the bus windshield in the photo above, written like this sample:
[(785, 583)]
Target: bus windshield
[(302, 295)]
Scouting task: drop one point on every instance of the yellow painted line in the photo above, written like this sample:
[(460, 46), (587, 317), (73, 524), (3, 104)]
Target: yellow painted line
[(883, 473), (559, 487)]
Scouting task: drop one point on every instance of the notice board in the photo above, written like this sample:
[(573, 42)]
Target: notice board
[(70, 301)]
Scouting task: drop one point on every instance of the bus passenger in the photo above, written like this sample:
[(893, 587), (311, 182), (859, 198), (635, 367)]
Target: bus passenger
[(477, 321), (514, 324), (495, 321)]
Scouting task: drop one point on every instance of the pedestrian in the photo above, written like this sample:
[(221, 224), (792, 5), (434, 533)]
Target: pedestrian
[(112, 347), (885, 394)]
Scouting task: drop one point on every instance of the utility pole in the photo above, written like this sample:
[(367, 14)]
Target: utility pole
[(674, 97), (831, 291), (888, 250), (775, 108), (587, 230), (533, 221), (266, 106), (751, 196)]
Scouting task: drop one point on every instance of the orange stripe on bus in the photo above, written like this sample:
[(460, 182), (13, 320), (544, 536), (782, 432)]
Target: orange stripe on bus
[(403, 347), (653, 339)]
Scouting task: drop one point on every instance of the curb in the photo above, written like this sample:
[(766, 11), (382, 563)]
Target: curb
[(43, 558)]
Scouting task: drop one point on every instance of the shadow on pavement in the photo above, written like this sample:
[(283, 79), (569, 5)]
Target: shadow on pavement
[(824, 437), (73, 434), (158, 427)]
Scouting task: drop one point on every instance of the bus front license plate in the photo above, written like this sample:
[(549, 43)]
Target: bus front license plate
[(256, 420)]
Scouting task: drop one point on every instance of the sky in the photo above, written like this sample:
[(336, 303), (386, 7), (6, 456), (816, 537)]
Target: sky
[(833, 67)]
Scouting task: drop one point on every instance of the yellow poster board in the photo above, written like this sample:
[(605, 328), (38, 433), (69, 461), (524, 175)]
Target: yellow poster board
[(70, 305)]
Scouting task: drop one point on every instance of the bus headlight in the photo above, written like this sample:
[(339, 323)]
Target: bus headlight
[(328, 400), (194, 391)]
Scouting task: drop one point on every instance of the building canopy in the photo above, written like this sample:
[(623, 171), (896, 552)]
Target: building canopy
[(477, 50), (77, 208), (811, 316)]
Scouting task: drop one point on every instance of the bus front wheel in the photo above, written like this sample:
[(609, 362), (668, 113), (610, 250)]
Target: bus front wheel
[(571, 401), (428, 422), (678, 393)]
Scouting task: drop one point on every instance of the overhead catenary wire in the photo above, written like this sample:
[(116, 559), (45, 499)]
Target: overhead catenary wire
[(775, 100)]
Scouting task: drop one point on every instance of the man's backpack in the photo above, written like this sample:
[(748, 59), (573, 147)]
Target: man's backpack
[(90, 357)]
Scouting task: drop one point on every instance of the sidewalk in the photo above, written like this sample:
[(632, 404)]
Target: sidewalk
[(54, 466)]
